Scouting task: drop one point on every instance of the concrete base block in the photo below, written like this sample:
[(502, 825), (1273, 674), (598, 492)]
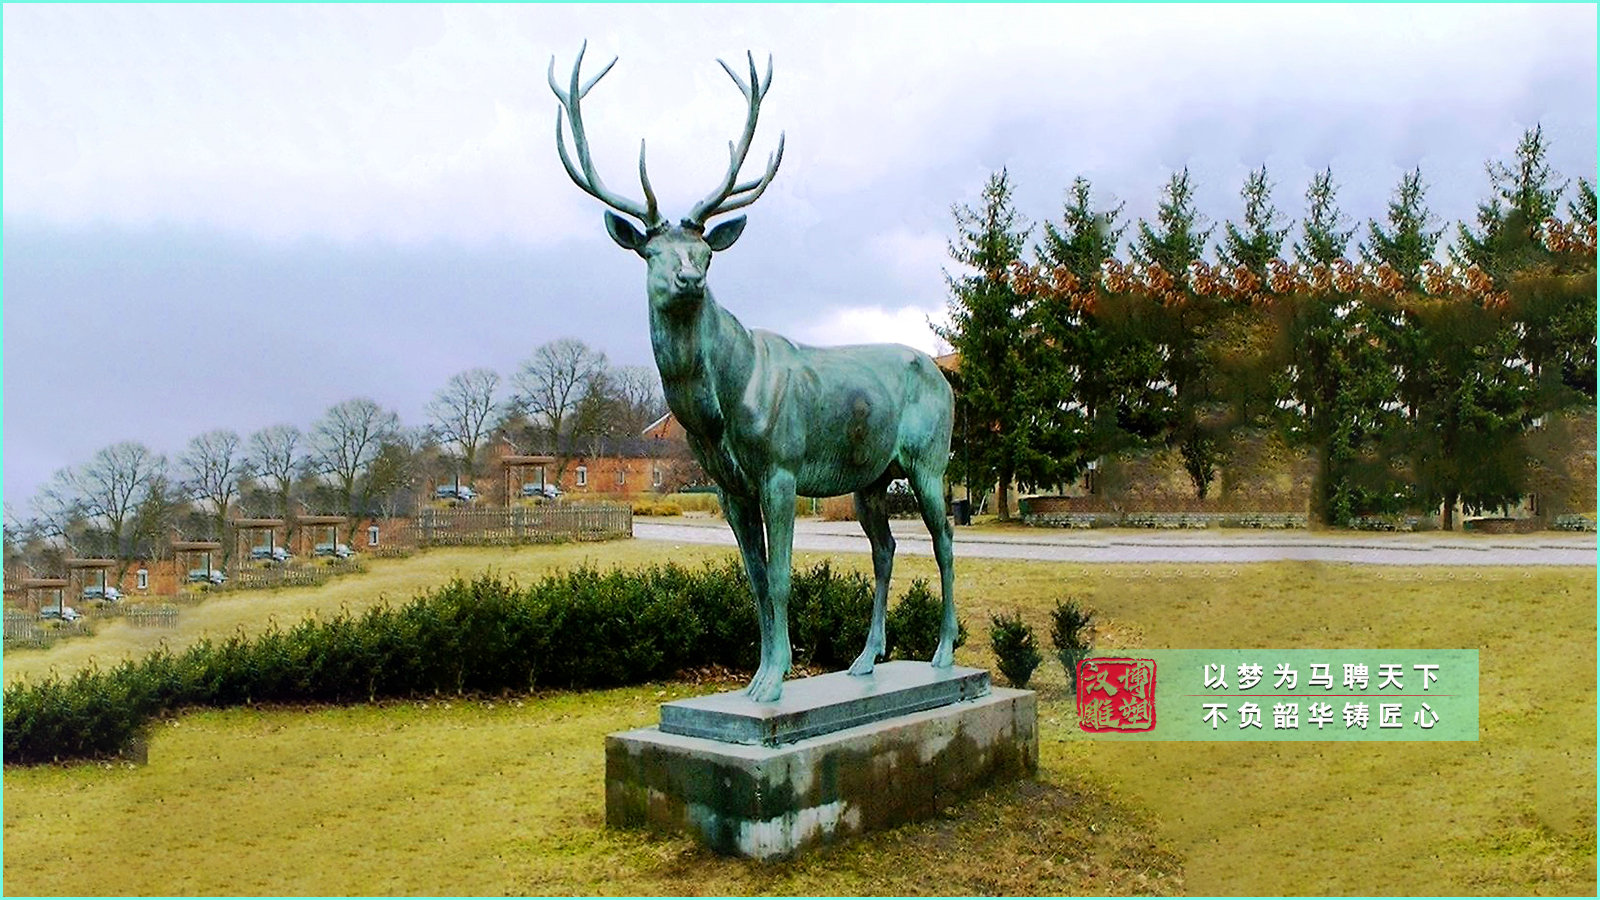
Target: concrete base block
[(768, 802)]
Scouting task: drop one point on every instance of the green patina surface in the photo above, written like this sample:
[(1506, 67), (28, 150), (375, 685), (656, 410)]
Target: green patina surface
[(769, 419), (824, 703)]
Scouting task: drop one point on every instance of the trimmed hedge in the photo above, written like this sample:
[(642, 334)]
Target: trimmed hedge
[(578, 629)]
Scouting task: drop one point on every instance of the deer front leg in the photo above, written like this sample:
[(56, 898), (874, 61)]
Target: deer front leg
[(744, 517), (872, 511), (777, 509)]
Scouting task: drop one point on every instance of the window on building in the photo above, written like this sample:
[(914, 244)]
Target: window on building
[(622, 477), (144, 579), (583, 476), (372, 535), (655, 476)]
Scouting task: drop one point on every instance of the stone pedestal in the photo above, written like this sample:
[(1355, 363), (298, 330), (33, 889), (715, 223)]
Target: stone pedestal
[(836, 756)]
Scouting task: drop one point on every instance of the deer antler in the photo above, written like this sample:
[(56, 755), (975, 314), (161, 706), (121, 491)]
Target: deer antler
[(729, 196), (590, 179)]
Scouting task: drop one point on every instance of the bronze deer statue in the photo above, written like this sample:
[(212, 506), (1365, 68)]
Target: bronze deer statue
[(769, 419)]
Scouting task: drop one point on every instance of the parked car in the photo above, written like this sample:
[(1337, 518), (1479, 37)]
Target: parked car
[(275, 554), (547, 490), (96, 592), (464, 493), (338, 551), (213, 576), (64, 613)]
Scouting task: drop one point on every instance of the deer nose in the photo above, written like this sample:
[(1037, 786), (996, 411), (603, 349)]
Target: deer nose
[(691, 280)]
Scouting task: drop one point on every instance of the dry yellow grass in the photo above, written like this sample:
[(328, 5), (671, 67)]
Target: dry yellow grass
[(471, 799)]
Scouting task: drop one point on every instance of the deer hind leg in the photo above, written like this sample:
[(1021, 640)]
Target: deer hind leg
[(927, 482), (872, 511), (777, 509), (744, 517)]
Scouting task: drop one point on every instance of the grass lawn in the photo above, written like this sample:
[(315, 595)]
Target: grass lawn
[(474, 797)]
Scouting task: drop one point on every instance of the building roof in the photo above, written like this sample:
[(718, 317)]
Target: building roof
[(197, 545), (44, 582), (526, 460)]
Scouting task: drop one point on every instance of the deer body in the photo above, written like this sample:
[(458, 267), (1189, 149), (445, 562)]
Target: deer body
[(751, 399), (769, 419)]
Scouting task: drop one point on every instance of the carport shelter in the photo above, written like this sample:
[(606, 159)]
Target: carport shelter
[(517, 467), (249, 528), (89, 573), (328, 526), (44, 587), (187, 553)]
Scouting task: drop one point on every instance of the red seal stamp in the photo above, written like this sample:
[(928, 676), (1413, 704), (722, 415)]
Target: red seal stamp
[(1117, 695)]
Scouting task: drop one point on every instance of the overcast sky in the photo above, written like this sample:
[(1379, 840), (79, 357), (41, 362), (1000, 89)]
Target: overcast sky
[(235, 216)]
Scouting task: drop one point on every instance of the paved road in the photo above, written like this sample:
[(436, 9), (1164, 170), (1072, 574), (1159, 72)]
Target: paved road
[(1124, 546)]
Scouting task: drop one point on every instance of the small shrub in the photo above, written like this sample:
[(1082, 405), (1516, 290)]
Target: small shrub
[(1015, 648), (1072, 634), (656, 508), (699, 501), (912, 625), (828, 616), (902, 501)]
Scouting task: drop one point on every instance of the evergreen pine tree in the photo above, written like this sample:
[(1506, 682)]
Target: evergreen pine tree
[(986, 329), (1173, 243), (1086, 237), (1324, 238), (1582, 207), (1407, 243), (1079, 374), (1259, 238), (1180, 240), (1525, 195)]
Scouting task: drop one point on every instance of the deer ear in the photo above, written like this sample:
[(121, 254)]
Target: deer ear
[(621, 231), (723, 236)]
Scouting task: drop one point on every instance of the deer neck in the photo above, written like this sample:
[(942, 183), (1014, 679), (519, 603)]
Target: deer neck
[(703, 354)]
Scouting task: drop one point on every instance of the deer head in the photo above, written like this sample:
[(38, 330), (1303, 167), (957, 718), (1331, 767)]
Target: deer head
[(677, 256)]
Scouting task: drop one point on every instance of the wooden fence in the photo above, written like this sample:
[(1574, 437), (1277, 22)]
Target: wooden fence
[(540, 524), (293, 575), (26, 629), (163, 616), (22, 627)]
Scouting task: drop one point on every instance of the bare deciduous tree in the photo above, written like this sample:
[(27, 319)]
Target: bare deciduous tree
[(461, 412), (346, 440), (56, 507), (552, 380), (597, 416), (639, 400), (154, 518), (211, 468), (274, 453), (390, 486), (106, 491)]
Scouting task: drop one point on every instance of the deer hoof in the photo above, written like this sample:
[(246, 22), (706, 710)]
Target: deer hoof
[(765, 687), (864, 663), (945, 656)]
